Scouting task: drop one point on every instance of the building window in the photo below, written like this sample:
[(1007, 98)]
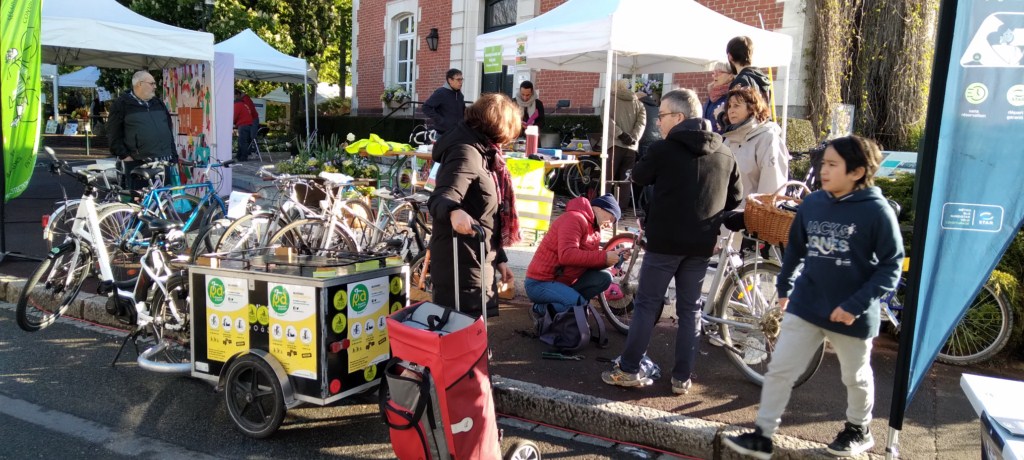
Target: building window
[(499, 14), (405, 53)]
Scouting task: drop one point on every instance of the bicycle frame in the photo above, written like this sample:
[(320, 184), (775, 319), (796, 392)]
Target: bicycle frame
[(157, 200)]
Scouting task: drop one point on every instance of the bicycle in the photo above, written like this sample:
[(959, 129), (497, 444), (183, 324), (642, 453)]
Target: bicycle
[(58, 279), (981, 334), (58, 223), (739, 311)]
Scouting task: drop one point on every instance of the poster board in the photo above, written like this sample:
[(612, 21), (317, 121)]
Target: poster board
[(533, 199)]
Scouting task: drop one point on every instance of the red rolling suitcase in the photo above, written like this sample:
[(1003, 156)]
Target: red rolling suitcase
[(436, 390)]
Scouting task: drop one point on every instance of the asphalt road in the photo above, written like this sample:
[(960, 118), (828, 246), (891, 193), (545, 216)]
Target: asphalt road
[(60, 398)]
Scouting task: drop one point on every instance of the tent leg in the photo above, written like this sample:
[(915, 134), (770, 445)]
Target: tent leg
[(892, 448), (605, 120)]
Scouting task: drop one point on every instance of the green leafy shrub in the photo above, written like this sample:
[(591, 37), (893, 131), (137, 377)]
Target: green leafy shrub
[(799, 137)]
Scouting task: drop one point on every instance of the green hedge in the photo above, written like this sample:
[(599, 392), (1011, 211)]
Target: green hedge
[(392, 129)]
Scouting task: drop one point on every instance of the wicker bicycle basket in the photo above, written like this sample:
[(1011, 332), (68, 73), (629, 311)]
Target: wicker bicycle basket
[(765, 220)]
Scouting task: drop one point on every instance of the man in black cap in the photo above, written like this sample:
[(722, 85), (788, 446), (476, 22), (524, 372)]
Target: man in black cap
[(568, 268), (695, 181)]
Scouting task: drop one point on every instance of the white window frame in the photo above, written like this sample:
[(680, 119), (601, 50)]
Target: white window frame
[(408, 38)]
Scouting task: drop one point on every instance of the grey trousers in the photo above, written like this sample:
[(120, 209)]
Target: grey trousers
[(655, 273), (798, 341)]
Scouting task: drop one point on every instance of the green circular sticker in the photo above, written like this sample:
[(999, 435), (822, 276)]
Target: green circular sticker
[(396, 285), (253, 314), (340, 299), (395, 307), (279, 299), (370, 373), (359, 298), (263, 315), (215, 290), (338, 324)]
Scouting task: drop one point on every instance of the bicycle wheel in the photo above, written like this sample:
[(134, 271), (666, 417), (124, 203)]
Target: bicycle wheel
[(53, 286), (171, 320), (584, 179), (982, 332), (620, 311), (115, 221), (420, 285), (59, 223), (359, 218), (750, 299), (206, 239), (308, 237), (254, 396), (245, 234), (178, 207)]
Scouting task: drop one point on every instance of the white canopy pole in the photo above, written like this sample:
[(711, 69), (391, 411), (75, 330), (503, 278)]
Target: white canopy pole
[(785, 104), (56, 114), (605, 119), (305, 102)]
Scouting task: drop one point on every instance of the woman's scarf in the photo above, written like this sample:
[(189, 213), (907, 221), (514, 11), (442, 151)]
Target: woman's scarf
[(717, 91), (530, 106), (507, 196)]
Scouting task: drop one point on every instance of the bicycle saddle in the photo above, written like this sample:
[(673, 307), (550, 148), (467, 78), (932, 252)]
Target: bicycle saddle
[(147, 173), (158, 225)]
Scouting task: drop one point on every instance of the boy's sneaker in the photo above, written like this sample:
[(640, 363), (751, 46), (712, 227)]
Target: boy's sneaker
[(853, 440), (753, 444), (681, 387), (624, 379)]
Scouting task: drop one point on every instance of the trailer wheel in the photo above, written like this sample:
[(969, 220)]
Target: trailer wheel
[(523, 450), (254, 396)]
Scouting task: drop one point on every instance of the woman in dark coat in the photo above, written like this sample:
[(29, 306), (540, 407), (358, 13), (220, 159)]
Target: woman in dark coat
[(474, 187)]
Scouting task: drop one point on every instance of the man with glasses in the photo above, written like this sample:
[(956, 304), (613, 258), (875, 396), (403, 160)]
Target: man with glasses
[(139, 126), (695, 181), (447, 106)]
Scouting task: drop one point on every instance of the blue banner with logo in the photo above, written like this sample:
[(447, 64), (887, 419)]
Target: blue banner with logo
[(969, 176)]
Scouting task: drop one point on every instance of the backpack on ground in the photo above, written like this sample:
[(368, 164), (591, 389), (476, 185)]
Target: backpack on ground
[(569, 330)]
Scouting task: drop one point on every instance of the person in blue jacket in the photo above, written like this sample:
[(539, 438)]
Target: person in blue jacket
[(848, 241), (447, 106)]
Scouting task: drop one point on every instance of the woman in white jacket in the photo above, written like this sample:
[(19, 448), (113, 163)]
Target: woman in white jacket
[(756, 142)]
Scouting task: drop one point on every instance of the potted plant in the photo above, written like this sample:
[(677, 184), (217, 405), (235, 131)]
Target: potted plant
[(394, 96), (82, 115)]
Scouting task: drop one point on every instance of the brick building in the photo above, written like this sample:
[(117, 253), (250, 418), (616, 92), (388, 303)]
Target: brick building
[(389, 48)]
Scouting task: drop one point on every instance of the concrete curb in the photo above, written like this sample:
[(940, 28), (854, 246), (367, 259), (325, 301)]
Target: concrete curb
[(635, 424)]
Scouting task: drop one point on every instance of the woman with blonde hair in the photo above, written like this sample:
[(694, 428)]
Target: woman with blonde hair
[(756, 142), (718, 94), (474, 187)]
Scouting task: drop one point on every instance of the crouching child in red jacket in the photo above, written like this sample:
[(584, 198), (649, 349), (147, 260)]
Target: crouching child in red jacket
[(568, 268)]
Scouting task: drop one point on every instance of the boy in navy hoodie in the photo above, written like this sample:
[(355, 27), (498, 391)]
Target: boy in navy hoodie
[(847, 238)]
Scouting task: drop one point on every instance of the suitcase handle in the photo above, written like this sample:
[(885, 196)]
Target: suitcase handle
[(478, 233)]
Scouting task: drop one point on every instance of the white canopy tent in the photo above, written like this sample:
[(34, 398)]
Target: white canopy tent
[(255, 59), (324, 91), (633, 36), (106, 34), (82, 78)]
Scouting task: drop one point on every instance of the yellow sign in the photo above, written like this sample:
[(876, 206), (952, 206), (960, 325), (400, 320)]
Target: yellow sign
[(533, 199), (367, 311), (227, 317), (293, 333)]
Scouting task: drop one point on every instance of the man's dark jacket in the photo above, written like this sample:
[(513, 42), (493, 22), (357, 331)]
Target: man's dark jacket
[(464, 181), (750, 77), (446, 108), (140, 129), (695, 180)]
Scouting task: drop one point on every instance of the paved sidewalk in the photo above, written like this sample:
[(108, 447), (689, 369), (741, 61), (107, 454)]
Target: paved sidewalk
[(940, 423)]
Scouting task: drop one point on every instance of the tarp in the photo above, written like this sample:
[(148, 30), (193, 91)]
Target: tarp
[(632, 37), (257, 60), (324, 91), (647, 36), (21, 84), (82, 78), (106, 34), (968, 185)]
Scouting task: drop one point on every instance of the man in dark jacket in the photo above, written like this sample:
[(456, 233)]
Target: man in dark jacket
[(740, 51), (696, 181), (139, 126), (447, 106)]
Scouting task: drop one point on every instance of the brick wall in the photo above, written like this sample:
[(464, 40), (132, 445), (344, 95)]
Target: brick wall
[(370, 65), (433, 64)]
